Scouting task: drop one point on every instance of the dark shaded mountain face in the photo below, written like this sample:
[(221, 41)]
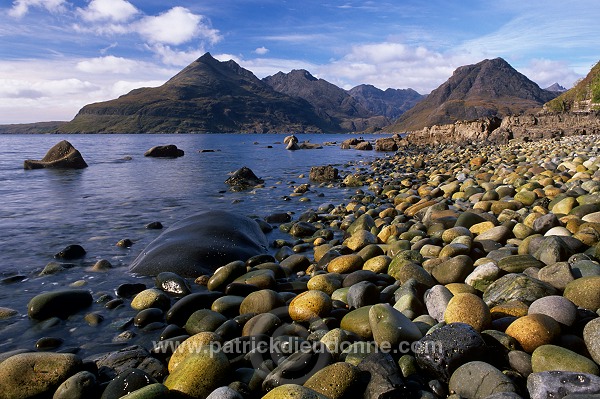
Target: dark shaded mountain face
[(206, 96), (390, 103), (489, 88), (556, 88), (329, 101)]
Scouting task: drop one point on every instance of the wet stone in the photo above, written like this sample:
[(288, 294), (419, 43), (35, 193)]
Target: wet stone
[(458, 343)]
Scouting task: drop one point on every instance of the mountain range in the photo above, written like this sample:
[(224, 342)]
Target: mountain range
[(214, 96)]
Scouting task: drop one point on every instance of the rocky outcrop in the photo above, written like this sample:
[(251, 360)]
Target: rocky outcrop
[(63, 156), (514, 127), (542, 126), (461, 131)]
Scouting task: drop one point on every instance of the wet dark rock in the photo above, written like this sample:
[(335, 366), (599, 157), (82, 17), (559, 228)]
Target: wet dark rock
[(147, 316), (279, 217), (71, 252), (126, 382), (154, 226), (164, 151), (243, 179), (60, 304), (82, 385), (199, 244), (48, 343), (113, 363), (172, 283), (297, 368), (63, 156), (129, 290), (385, 377), (449, 347), (179, 313)]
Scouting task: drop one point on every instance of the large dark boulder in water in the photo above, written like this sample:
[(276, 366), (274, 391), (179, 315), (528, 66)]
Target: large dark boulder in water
[(164, 151), (200, 244), (243, 179), (63, 155)]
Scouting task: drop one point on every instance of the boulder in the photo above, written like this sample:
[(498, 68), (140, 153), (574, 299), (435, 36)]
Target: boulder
[(291, 143), (323, 173), (243, 179), (63, 156), (164, 151), (200, 244), (386, 144)]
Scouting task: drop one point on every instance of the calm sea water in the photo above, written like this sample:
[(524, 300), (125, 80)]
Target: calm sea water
[(42, 211)]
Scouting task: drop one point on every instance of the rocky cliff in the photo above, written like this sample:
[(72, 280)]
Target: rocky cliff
[(520, 127)]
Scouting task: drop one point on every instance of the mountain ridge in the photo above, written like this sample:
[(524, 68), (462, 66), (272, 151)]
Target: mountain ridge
[(490, 88)]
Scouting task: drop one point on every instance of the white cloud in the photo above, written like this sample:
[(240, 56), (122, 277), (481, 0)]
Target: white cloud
[(170, 56), (261, 50), (547, 72), (395, 65), (108, 10), (28, 89), (175, 27), (58, 91), (108, 64), (21, 7)]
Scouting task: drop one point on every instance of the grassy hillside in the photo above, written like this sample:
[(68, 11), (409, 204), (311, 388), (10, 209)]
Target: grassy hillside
[(585, 96)]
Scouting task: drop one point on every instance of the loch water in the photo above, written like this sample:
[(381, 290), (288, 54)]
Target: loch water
[(42, 211)]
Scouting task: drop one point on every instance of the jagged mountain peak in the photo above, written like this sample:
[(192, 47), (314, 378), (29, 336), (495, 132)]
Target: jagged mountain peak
[(556, 88)]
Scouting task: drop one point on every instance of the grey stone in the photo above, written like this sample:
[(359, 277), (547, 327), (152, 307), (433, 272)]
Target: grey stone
[(436, 301), (224, 393), (478, 380), (557, 307), (558, 384)]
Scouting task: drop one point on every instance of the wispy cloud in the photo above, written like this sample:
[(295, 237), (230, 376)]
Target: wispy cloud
[(21, 7)]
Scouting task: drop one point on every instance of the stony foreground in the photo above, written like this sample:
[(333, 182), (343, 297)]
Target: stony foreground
[(453, 271)]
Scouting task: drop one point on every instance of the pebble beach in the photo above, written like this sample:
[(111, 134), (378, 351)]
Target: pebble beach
[(460, 271)]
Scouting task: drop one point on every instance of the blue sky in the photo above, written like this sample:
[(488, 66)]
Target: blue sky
[(58, 55)]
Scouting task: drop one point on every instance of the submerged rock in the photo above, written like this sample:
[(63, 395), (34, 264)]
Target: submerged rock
[(200, 244)]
